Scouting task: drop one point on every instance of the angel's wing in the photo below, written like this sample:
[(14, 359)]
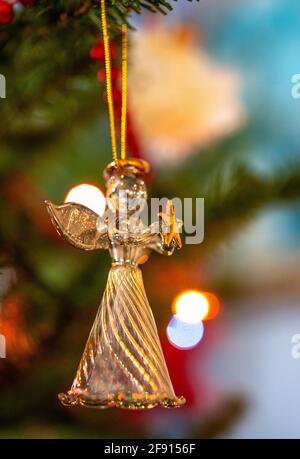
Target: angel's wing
[(78, 225)]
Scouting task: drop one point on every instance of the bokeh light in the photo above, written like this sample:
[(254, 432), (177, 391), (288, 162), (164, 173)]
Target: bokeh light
[(184, 335), (191, 307), (89, 196)]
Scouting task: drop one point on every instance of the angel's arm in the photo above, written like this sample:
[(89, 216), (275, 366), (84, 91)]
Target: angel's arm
[(157, 244), (78, 225), (155, 239)]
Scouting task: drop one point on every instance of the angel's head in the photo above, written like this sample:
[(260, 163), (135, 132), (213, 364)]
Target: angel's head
[(125, 186)]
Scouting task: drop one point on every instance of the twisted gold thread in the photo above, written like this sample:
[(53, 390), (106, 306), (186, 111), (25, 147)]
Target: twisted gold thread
[(124, 92), (108, 82), (109, 86)]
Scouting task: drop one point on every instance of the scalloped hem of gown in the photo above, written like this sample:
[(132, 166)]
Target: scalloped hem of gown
[(124, 401)]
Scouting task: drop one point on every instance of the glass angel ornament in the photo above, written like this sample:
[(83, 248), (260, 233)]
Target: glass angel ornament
[(123, 363)]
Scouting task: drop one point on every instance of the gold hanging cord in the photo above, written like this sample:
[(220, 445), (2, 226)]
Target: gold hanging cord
[(124, 92), (109, 86)]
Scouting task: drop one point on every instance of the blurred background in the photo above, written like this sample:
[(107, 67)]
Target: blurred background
[(211, 107)]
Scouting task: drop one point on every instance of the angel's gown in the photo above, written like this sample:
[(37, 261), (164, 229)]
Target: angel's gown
[(123, 364)]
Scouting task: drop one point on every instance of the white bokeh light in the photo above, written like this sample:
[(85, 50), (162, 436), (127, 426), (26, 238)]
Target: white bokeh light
[(183, 335), (89, 196), (191, 307)]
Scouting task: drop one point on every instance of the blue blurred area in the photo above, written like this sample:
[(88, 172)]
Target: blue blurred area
[(260, 39), (258, 362)]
